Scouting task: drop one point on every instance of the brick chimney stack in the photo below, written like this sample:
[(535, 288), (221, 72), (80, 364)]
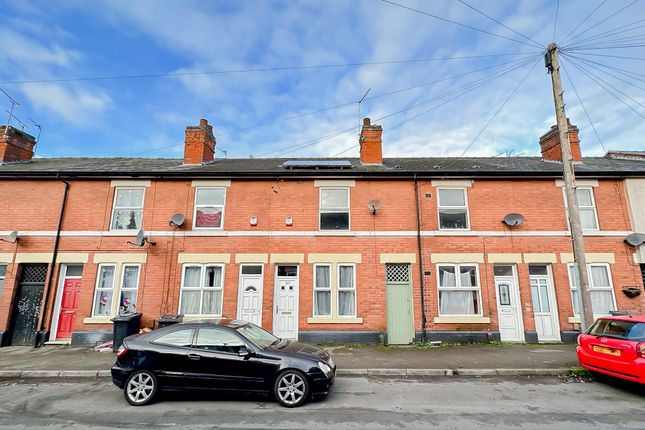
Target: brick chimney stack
[(550, 144), (15, 145), (199, 146), (370, 141)]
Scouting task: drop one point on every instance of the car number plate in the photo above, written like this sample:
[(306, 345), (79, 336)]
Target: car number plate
[(609, 351)]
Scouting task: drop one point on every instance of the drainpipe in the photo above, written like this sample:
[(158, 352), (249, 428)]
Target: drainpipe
[(42, 335), (424, 334)]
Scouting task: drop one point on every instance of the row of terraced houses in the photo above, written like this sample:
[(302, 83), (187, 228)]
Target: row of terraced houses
[(327, 250)]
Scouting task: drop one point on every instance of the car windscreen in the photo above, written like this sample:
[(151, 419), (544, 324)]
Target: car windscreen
[(619, 329), (257, 335)]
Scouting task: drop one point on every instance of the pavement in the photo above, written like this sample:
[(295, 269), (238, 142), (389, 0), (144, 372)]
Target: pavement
[(376, 403), (351, 360)]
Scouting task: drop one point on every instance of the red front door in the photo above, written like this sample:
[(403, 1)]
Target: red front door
[(68, 304)]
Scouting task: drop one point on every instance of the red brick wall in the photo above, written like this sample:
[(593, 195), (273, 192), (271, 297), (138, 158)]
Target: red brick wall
[(34, 205)]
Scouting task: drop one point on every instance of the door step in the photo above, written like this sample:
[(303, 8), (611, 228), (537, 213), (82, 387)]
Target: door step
[(59, 342)]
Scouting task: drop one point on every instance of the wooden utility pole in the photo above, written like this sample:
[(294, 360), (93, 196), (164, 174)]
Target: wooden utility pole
[(553, 65)]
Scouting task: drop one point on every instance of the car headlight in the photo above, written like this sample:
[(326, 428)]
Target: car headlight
[(331, 362), (324, 367)]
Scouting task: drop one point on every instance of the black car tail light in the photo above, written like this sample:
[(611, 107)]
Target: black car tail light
[(121, 351)]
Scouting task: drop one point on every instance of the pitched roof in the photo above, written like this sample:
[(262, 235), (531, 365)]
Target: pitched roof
[(256, 167)]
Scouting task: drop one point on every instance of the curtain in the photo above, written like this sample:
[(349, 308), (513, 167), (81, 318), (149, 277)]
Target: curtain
[(322, 277), (346, 303), (103, 303), (191, 277), (322, 305), (209, 217), (213, 277), (457, 302), (190, 302), (212, 302), (346, 276), (130, 277), (106, 277), (599, 277), (602, 302), (447, 277), (128, 302), (128, 198), (588, 219), (467, 276)]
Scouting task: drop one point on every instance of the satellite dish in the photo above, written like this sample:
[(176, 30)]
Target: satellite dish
[(177, 220), (12, 238), (373, 205), (635, 239), (513, 220), (141, 238)]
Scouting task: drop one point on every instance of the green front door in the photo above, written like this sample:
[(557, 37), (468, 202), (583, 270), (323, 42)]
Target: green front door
[(400, 322)]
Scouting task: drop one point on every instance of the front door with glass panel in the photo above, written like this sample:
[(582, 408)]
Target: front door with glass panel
[(285, 302), (249, 304), (544, 304), (509, 312)]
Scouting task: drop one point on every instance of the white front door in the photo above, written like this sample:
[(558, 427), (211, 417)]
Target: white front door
[(249, 304), (545, 307), (285, 302), (509, 311)]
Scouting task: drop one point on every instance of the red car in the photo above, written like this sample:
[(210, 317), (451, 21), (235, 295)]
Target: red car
[(615, 346)]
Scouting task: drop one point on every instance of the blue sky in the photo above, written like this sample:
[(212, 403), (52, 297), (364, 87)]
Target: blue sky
[(45, 40)]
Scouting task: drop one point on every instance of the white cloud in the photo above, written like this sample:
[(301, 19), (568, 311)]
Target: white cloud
[(77, 105)]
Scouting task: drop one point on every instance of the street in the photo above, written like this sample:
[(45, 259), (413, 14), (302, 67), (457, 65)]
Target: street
[(365, 403)]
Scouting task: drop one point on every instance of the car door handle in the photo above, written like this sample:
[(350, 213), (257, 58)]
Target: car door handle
[(194, 356)]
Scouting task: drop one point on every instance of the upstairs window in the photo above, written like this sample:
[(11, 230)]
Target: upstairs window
[(459, 292), (209, 207), (334, 208), (453, 209), (586, 206), (602, 291), (127, 212)]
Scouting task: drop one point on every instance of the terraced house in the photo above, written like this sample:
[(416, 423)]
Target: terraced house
[(326, 250)]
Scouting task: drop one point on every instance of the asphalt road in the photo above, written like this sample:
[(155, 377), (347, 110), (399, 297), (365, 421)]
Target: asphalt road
[(355, 403)]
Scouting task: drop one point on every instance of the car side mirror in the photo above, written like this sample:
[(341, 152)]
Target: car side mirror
[(244, 352)]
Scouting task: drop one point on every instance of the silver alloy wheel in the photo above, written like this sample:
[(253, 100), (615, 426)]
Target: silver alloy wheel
[(140, 387), (291, 388)]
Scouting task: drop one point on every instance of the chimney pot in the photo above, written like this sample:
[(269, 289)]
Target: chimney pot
[(550, 144), (15, 145), (371, 141)]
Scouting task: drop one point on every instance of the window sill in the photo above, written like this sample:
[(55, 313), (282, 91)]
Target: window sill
[(574, 320), (334, 320), (98, 320), (461, 320)]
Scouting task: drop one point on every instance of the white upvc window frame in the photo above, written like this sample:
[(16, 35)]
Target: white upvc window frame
[(195, 206), (115, 208), (440, 207), (458, 287), (121, 288), (593, 206), (339, 289), (202, 279), (97, 289), (574, 288), (2, 278), (339, 209), (329, 290)]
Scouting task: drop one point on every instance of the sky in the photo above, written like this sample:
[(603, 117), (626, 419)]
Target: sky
[(253, 112)]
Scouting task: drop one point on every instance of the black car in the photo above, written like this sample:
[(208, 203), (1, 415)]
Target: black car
[(222, 355)]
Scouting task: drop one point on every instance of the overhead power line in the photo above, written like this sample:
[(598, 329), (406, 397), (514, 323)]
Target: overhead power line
[(593, 126), (502, 24), (609, 33), (499, 109), (582, 22), (251, 70), (574, 37), (460, 24), (555, 20)]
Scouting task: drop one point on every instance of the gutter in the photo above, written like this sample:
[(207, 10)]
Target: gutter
[(424, 322), (41, 335)]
